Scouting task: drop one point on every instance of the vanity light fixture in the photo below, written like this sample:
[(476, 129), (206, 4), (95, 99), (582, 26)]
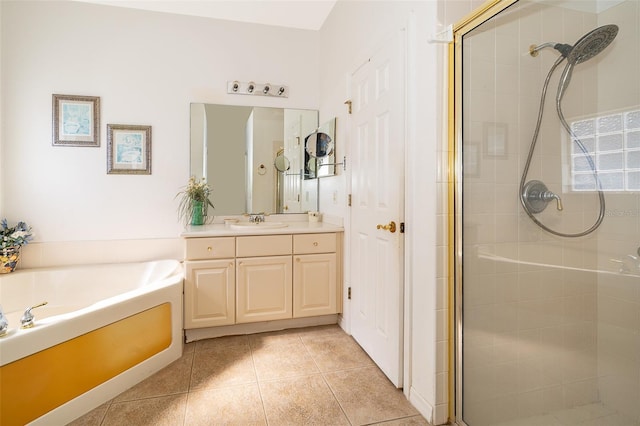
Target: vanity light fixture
[(241, 88)]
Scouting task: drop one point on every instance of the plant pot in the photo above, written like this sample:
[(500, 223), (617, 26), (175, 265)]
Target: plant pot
[(9, 257), (197, 213)]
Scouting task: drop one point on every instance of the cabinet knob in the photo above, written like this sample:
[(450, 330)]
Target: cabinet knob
[(209, 248), (315, 244)]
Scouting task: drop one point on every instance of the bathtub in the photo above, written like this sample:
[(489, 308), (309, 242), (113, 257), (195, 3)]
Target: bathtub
[(104, 329)]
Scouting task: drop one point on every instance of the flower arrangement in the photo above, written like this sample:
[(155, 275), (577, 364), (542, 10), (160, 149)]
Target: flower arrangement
[(194, 201), (11, 240), (16, 236)]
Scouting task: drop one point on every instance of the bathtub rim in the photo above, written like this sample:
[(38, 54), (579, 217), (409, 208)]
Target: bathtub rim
[(56, 329)]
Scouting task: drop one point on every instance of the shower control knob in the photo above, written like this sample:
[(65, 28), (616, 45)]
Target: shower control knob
[(548, 196), (535, 196)]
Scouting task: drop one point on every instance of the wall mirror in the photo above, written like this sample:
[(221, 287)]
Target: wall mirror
[(253, 157)]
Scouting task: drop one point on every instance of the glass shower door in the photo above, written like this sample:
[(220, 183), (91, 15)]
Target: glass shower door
[(550, 216)]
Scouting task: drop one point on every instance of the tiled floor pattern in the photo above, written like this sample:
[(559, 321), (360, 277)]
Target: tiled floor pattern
[(310, 376), (586, 415)]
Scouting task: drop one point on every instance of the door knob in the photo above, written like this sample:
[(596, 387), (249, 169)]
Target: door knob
[(391, 227)]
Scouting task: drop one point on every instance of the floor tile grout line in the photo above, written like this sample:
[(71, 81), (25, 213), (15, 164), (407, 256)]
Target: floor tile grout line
[(326, 382), (193, 361), (336, 398), (255, 372)]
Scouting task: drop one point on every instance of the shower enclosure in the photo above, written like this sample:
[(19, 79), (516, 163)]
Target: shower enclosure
[(547, 216)]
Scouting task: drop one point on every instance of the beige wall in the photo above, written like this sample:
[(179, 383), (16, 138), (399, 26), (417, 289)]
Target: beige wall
[(147, 67)]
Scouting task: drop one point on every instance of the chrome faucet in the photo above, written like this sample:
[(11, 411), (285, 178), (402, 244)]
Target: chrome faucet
[(27, 318), (256, 217)]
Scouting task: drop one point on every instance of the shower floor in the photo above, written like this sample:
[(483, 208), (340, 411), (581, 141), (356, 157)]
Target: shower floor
[(596, 414)]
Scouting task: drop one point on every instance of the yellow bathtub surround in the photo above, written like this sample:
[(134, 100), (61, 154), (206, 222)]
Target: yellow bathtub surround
[(104, 328), (67, 370)]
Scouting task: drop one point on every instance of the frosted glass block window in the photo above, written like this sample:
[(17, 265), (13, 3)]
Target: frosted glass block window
[(632, 120), (633, 160), (584, 128), (633, 139), (610, 123), (613, 143), (584, 182), (633, 181)]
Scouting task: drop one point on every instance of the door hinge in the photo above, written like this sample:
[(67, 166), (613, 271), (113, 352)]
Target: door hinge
[(349, 293), (349, 200), (348, 103), (402, 227)]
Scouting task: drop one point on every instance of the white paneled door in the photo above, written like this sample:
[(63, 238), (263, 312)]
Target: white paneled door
[(377, 141)]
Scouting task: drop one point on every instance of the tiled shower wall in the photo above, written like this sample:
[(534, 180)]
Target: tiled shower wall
[(619, 235)]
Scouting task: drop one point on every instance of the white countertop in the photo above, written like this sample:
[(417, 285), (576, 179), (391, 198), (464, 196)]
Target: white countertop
[(293, 227)]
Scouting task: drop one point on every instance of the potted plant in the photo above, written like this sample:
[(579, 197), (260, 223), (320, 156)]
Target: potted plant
[(11, 240), (194, 202)]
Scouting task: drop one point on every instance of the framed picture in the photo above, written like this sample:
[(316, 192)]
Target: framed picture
[(76, 120), (128, 149)]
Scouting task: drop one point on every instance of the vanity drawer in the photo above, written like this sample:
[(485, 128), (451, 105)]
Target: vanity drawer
[(210, 248), (263, 245), (314, 243)]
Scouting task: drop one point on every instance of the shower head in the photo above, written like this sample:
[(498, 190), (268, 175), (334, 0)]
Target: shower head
[(585, 48), (592, 43)]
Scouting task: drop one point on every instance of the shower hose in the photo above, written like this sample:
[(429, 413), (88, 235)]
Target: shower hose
[(564, 82)]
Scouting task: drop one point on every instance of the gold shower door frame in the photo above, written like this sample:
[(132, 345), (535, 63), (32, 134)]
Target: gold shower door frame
[(473, 20)]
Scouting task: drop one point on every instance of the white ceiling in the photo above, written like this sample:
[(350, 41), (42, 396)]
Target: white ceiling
[(304, 14)]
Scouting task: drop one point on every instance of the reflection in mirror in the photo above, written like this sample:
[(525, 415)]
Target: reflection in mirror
[(230, 146), (281, 162), (319, 153), (318, 144)]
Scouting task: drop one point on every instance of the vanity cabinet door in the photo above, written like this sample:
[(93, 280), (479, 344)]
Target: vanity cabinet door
[(209, 293), (263, 290), (315, 285)]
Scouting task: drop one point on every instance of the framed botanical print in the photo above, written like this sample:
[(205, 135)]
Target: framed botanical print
[(76, 120), (128, 149)]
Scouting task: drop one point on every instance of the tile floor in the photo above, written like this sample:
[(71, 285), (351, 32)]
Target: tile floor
[(309, 376)]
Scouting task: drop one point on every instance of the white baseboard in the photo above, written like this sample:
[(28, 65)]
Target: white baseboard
[(422, 405)]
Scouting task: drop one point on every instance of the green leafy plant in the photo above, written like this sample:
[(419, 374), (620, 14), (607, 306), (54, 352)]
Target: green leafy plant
[(196, 190), (14, 236)]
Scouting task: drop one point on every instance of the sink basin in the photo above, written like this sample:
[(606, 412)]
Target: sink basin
[(258, 225)]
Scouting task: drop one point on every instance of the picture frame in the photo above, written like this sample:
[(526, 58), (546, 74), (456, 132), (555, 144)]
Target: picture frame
[(76, 120), (128, 149), (496, 139)]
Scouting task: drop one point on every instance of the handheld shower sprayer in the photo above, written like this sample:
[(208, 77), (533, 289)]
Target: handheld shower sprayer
[(534, 195)]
